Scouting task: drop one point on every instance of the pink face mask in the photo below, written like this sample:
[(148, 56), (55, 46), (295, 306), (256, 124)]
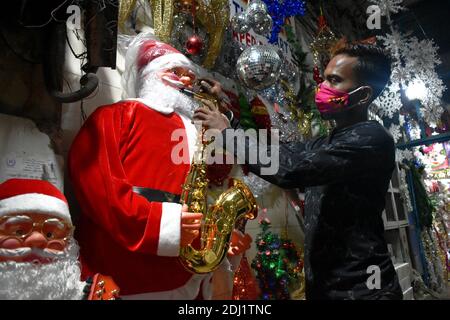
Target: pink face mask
[(330, 100)]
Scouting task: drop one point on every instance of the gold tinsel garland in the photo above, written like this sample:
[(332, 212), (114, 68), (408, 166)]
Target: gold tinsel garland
[(302, 118), (213, 15)]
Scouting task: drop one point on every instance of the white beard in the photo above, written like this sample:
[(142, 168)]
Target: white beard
[(57, 280), (165, 99)]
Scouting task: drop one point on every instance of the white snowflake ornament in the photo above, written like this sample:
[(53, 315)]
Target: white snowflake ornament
[(388, 6), (389, 102), (395, 132)]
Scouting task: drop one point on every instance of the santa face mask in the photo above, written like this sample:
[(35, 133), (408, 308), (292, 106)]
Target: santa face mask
[(32, 237), (178, 77), (330, 100)]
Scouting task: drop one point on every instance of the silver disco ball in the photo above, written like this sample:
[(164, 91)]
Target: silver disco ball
[(240, 24), (258, 67)]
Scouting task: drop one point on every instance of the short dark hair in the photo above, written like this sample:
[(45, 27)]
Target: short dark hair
[(374, 65)]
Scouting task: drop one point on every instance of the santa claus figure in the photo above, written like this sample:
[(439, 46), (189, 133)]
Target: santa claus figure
[(127, 179), (38, 255)]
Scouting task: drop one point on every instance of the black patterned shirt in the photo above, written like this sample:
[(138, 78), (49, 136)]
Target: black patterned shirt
[(346, 177)]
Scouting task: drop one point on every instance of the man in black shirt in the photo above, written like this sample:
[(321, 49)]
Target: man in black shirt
[(346, 177)]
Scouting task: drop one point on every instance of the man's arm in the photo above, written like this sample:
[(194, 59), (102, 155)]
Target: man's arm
[(356, 153), (359, 151)]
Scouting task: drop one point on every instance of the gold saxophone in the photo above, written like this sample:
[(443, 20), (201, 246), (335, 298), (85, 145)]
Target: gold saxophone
[(232, 206)]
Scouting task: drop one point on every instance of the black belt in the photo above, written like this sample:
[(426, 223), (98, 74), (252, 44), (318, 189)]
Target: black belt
[(156, 195)]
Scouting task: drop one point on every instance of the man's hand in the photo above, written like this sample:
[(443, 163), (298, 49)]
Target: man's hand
[(211, 119), (215, 89), (190, 226), (239, 243)]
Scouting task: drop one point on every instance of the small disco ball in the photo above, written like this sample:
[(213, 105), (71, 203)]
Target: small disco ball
[(258, 67)]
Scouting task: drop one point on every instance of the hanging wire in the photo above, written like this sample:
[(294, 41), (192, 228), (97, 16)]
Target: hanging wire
[(78, 56), (52, 17), (83, 112)]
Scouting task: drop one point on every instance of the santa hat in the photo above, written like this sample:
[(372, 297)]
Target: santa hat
[(144, 55), (155, 56), (32, 196)]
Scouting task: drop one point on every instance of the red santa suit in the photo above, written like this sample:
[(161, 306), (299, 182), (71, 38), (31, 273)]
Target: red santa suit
[(120, 147)]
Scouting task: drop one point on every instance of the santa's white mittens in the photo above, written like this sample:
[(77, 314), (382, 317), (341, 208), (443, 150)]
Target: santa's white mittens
[(33, 196)]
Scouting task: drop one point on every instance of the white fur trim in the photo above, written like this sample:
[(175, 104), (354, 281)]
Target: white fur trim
[(168, 61), (189, 291), (35, 203), (170, 230), (191, 133)]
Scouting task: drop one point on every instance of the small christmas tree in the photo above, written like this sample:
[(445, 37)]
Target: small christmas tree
[(277, 264)]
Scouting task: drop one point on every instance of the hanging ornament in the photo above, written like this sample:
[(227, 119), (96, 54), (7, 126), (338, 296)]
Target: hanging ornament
[(255, 17), (256, 7), (321, 47), (316, 75), (194, 45), (288, 72), (240, 23), (258, 67), (262, 24), (186, 6), (322, 44)]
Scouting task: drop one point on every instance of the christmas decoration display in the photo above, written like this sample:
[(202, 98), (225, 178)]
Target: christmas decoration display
[(425, 207), (260, 114), (246, 117), (254, 17), (388, 6), (321, 46), (394, 129), (212, 15), (258, 67), (38, 254), (413, 68), (403, 188), (194, 45), (278, 264), (240, 23), (244, 283), (162, 13), (280, 10), (435, 268), (227, 59)]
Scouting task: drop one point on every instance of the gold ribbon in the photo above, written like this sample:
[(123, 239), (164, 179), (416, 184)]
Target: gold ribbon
[(126, 7), (214, 18)]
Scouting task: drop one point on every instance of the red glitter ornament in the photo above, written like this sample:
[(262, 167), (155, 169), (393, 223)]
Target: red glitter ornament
[(316, 75), (245, 286), (194, 45)]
